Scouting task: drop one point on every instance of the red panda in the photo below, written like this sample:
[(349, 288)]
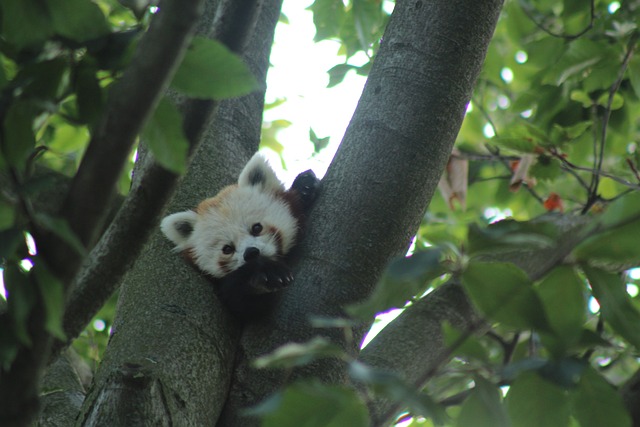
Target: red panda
[(241, 237)]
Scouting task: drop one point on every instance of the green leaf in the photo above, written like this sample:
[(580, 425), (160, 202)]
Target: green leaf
[(581, 55), (565, 372), (581, 97), (624, 210), (615, 246), (615, 303), (7, 218), (318, 143), (21, 300), (367, 15), (293, 354), (338, 73), (516, 143), (404, 278), (164, 135), (78, 20), (10, 240), (19, 140), (634, 75), (534, 402), (89, 97), (616, 103), (45, 80), (312, 404), (596, 403), (572, 132), (393, 387), (114, 51), (562, 294), (52, 292), (546, 169), (503, 292), (328, 17), (210, 70), (464, 345), (8, 346), (25, 23), (483, 408), (509, 235)]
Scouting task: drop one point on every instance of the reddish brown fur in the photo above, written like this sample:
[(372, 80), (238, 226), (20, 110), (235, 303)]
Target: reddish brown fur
[(278, 238), (214, 202), (189, 256), (224, 266)]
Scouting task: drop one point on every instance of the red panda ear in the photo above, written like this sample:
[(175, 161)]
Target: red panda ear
[(258, 173), (178, 227)]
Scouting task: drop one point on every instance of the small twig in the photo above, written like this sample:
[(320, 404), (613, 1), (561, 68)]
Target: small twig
[(457, 398), (568, 166), (633, 169), (528, 10), (622, 194), (484, 157), (491, 334), (486, 115), (593, 197), (510, 349)]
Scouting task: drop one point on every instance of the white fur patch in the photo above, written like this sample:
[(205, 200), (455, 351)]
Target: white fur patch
[(258, 173), (176, 227)]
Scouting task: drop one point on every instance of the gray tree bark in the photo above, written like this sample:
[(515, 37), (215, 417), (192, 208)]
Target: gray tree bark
[(378, 186), (170, 357)]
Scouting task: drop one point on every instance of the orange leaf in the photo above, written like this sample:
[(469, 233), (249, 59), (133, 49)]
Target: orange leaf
[(554, 202)]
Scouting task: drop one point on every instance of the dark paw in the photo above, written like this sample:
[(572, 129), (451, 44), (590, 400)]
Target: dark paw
[(306, 184), (271, 279)]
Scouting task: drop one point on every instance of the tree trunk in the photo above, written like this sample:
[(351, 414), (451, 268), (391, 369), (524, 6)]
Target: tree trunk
[(378, 186)]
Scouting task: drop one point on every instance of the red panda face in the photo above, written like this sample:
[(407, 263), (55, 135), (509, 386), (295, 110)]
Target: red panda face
[(240, 224)]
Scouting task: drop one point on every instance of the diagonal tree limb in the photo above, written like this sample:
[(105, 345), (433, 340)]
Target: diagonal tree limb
[(169, 325), (152, 188), (131, 101), (413, 344)]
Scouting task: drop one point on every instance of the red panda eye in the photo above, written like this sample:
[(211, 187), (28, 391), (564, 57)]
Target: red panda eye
[(256, 229), (228, 249)]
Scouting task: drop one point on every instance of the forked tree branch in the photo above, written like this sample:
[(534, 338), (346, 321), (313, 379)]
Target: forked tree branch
[(169, 326)]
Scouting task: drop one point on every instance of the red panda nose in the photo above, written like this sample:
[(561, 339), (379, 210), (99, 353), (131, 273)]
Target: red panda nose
[(251, 253)]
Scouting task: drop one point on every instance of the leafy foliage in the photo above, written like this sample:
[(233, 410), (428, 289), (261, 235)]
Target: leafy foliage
[(557, 106), (552, 126), (59, 61)]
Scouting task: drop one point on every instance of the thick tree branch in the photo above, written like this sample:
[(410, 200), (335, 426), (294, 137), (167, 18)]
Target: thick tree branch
[(169, 325), (93, 188), (413, 346), (152, 188), (130, 103), (376, 190)]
